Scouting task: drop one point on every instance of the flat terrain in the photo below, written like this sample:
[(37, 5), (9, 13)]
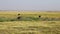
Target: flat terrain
[(30, 23)]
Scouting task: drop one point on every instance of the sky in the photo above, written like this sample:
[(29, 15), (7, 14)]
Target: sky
[(30, 5)]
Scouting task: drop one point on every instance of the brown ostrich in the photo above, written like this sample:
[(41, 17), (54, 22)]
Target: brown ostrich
[(39, 16), (18, 16)]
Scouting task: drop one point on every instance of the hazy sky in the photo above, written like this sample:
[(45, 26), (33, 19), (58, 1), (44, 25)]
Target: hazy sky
[(29, 4)]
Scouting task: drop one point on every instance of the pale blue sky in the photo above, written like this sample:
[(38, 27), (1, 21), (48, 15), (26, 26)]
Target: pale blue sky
[(29, 4)]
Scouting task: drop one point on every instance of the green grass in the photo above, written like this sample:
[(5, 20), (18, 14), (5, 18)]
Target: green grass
[(2, 19)]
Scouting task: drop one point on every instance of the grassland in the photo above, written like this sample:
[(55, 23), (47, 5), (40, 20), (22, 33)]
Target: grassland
[(30, 23)]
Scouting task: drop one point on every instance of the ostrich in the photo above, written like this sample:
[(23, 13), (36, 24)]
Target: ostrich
[(18, 16), (39, 16)]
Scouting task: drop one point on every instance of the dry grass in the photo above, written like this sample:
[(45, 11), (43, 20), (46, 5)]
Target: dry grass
[(30, 27)]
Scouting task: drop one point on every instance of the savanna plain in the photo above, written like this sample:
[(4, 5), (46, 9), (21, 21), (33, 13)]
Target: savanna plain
[(30, 22)]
